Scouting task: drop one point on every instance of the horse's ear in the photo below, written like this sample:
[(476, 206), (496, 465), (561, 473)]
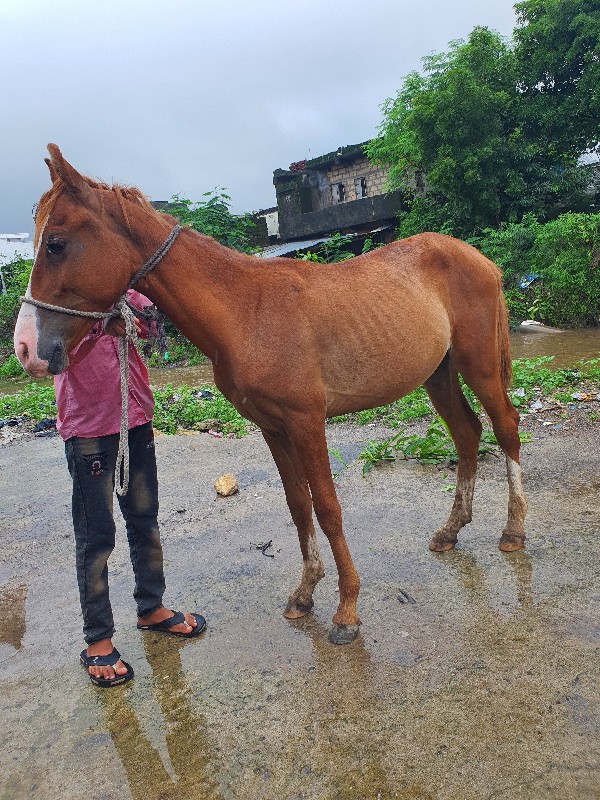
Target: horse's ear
[(73, 181), (53, 172)]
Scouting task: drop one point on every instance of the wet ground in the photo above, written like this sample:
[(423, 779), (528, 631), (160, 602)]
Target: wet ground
[(475, 675)]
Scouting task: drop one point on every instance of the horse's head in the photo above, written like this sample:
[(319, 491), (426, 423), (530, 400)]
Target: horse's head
[(86, 252)]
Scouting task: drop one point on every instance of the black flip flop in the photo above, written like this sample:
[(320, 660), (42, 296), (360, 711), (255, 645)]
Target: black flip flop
[(106, 661), (176, 619)]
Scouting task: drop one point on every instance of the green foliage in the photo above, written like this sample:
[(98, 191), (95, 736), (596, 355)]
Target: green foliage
[(564, 253), (180, 352), (486, 124), (183, 407), (330, 251), (333, 250), (11, 368), (532, 377), (16, 278), (435, 446), (212, 217), (34, 401), (557, 54)]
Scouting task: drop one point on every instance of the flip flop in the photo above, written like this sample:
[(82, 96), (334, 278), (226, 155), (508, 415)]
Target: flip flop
[(176, 619), (106, 661)]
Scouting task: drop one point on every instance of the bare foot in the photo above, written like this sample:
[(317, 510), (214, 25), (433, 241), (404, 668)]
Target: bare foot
[(104, 648), (163, 613)]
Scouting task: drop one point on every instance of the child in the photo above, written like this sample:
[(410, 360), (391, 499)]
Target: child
[(89, 412)]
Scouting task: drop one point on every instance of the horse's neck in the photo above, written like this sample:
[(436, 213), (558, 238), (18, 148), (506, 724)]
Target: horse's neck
[(203, 288)]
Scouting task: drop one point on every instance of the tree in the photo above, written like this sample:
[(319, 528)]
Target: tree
[(467, 124), (557, 54), (212, 217)]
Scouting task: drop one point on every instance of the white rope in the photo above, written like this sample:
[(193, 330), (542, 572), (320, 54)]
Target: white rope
[(122, 475)]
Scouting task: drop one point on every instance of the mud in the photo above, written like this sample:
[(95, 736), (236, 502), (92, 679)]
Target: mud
[(486, 686)]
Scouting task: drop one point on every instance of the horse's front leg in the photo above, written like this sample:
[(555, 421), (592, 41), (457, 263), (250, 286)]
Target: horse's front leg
[(308, 437), (298, 497)]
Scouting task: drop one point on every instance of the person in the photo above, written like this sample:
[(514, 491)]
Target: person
[(88, 403)]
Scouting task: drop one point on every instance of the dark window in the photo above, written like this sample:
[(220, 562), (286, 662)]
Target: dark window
[(360, 187), (338, 193)]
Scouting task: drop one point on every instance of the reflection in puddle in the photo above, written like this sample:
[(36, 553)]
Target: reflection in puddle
[(188, 776), (12, 615)]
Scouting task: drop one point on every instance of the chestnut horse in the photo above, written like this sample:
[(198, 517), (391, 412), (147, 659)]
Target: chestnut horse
[(291, 344)]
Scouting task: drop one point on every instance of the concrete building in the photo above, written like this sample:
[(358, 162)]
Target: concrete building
[(337, 192), (12, 247)]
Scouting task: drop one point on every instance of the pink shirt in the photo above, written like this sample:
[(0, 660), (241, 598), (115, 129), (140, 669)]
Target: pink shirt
[(88, 392)]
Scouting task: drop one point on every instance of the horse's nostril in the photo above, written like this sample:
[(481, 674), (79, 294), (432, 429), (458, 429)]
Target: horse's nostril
[(22, 352)]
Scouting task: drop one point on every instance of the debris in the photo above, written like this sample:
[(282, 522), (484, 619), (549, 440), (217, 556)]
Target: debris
[(404, 597), (585, 396), (264, 546), (45, 425), (226, 485)]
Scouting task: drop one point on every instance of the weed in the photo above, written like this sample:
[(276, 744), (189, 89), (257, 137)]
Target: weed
[(340, 458), (11, 368), (34, 401), (185, 406)]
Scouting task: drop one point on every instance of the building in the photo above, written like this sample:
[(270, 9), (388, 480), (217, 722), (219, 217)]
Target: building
[(13, 246), (340, 192)]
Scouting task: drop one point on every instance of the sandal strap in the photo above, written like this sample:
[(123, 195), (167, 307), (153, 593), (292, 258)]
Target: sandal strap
[(101, 661)]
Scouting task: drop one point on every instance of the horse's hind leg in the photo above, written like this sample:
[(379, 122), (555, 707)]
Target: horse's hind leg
[(465, 428), (489, 388), (299, 501)]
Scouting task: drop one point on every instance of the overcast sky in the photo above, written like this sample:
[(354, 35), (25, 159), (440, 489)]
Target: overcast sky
[(182, 96)]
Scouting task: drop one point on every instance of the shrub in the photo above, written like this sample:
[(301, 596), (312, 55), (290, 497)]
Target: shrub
[(564, 254)]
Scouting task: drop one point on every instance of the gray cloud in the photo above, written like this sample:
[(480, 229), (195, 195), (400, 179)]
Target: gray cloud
[(188, 95)]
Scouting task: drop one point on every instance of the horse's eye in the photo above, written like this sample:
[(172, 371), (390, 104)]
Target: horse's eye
[(55, 245)]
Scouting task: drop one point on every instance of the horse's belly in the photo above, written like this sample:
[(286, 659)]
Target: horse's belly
[(376, 376)]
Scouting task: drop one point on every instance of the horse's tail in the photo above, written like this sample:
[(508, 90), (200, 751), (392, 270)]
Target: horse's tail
[(503, 341)]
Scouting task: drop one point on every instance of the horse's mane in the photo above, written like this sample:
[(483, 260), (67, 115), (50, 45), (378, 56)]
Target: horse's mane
[(122, 194)]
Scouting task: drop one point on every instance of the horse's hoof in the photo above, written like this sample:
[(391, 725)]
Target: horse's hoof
[(441, 545), (510, 542), (343, 634), (297, 610)]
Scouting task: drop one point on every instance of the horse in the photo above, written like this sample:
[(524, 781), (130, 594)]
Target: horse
[(291, 344)]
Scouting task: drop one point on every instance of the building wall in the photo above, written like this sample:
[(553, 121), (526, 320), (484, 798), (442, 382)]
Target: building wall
[(359, 168), (308, 198)]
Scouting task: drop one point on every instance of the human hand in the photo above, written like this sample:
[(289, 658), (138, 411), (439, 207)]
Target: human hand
[(115, 326)]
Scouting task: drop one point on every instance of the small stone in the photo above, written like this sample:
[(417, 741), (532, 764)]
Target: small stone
[(226, 485)]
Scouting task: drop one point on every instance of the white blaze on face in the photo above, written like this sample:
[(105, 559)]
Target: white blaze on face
[(26, 339)]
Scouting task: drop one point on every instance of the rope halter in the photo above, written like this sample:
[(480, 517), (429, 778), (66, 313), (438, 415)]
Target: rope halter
[(122, 308)]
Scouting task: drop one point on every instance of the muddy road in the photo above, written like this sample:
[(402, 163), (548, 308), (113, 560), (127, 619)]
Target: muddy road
[(475, 675)]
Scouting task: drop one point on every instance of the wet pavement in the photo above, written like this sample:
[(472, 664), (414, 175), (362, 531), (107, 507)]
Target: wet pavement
[(476, 674)]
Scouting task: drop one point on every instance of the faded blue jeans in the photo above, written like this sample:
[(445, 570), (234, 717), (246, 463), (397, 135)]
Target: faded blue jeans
[(92, 466)]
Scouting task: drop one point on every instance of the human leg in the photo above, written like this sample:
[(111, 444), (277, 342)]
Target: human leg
[(91, 465), (140, 512)]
